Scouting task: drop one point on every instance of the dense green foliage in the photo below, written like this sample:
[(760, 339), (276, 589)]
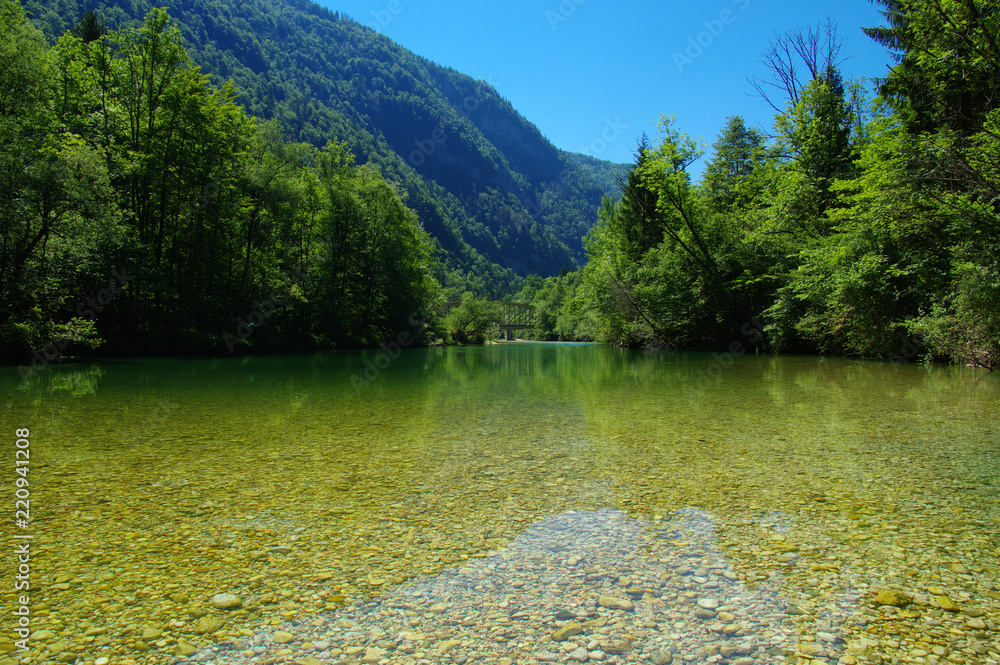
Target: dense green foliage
[(863, 228), (145, 203), (142, 205), (562, 313), (472, 320), (187, 183), (494, 195)]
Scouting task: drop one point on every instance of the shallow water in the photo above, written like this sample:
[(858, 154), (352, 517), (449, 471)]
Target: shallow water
[(306, 484)]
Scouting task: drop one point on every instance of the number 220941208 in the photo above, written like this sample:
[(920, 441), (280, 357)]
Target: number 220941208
[(22, 457)]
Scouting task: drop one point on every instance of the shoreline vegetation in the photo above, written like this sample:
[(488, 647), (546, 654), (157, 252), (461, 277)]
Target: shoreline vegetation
[(145, 212)]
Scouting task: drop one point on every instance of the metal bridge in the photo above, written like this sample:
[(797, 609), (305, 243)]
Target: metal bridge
[(513, 315)]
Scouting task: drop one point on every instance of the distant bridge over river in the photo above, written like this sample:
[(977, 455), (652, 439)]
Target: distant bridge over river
[(512, 315)]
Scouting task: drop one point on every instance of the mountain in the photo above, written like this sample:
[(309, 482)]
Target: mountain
[(497, 197)]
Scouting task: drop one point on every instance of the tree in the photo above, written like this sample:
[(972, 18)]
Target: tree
[(90, 28), (815, 138), (944, 88), (636, 212), (962, 321), (683, 217), (473, 320), (948, 61), (732, 180), (684, 286), (55, 208), (796, 59), (375, 263)]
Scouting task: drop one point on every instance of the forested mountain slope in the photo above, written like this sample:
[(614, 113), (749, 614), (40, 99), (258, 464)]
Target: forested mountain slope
[(483, 180)]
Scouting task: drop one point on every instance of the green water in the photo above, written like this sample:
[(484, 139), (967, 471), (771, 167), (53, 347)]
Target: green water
[(304, 483)]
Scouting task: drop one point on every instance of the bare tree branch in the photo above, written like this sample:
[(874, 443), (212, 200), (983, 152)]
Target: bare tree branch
[(790, 57)]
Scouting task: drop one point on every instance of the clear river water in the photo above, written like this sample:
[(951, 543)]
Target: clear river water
[(516, 503)]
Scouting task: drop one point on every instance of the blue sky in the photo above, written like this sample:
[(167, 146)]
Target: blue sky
[(594, 74)]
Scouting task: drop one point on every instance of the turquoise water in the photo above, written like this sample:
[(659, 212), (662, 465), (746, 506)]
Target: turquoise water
[(307, 482)]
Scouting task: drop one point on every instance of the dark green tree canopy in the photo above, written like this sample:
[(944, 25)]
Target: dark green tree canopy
[(948, 61)]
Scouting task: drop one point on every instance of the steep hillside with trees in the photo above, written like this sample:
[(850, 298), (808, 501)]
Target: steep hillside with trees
[(497, 197), (142, 206)]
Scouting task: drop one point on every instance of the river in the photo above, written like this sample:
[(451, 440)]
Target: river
[(516, 503)]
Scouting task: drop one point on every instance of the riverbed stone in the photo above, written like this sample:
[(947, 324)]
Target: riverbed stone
[(566, 632), (893, 597), (373, 655), (616, 603), (618, 646), (151, 634), (282, 637), (308, 660), (661, 657), (185, 649), (449, 645), (226, 601), (947, 604), (208, 624)]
